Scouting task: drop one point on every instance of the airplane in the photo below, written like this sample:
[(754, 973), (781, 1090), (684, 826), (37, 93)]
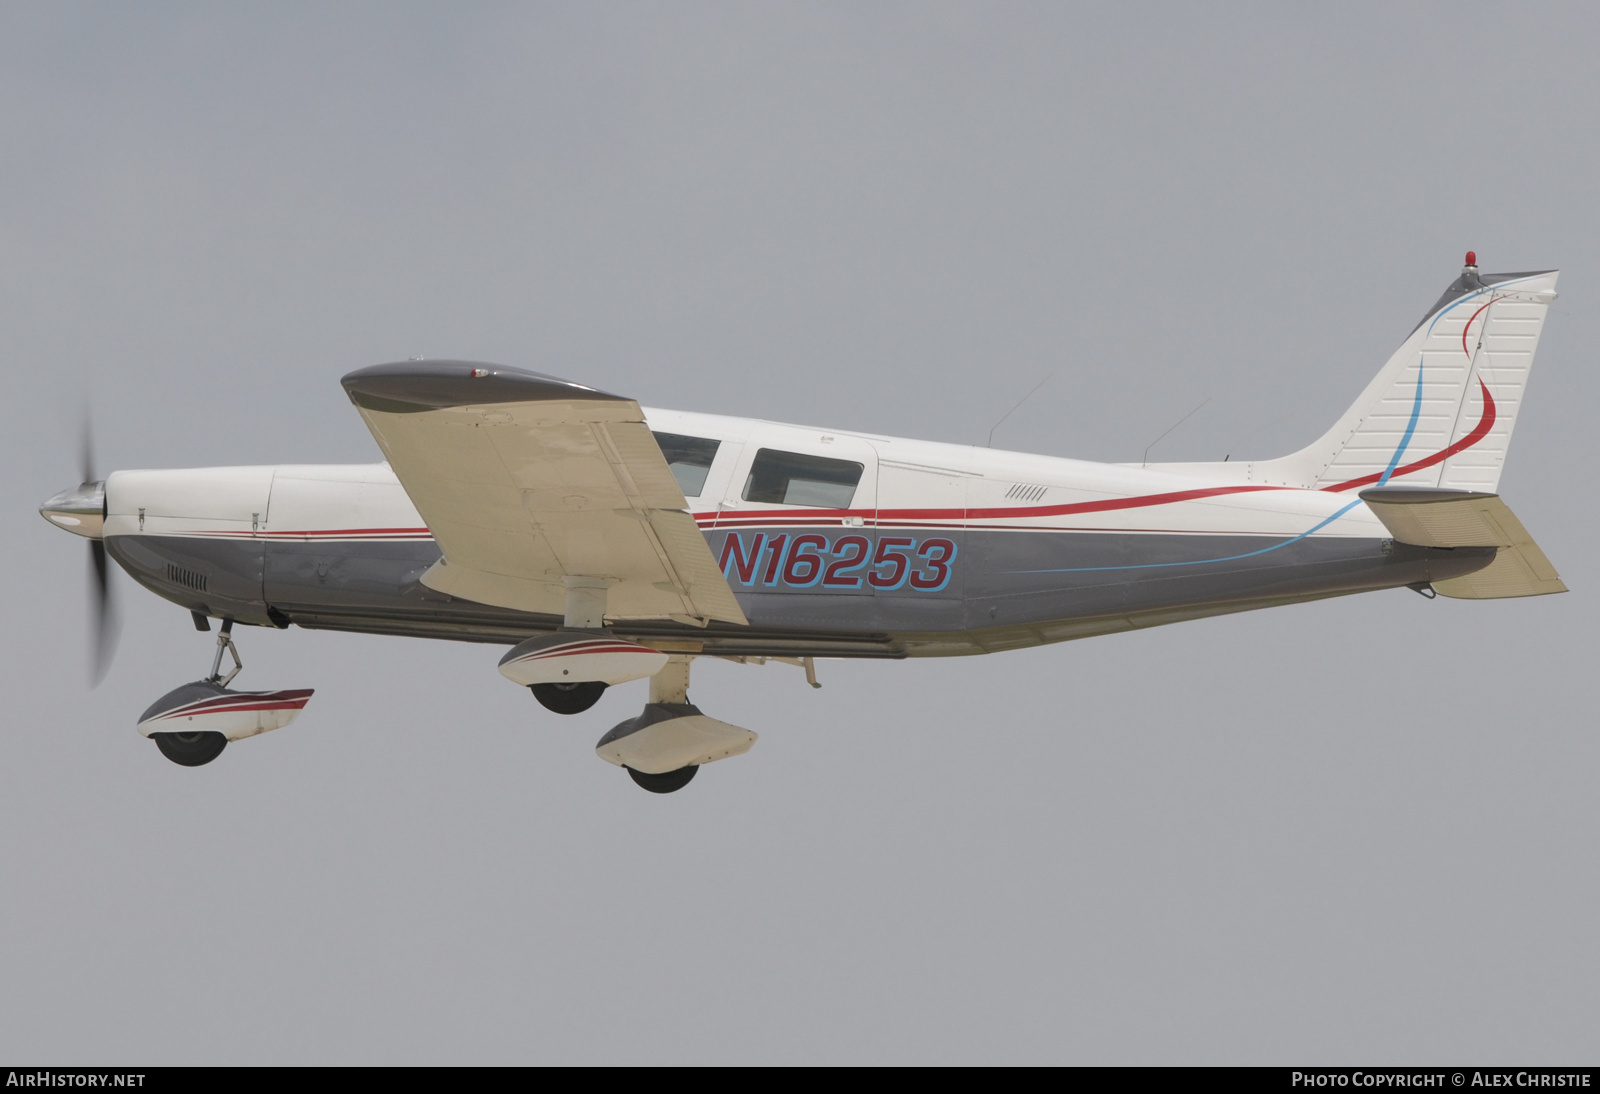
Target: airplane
[(603, 542)]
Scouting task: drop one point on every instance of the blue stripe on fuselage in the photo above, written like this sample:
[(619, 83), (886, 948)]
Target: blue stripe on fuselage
[(1198, 561)]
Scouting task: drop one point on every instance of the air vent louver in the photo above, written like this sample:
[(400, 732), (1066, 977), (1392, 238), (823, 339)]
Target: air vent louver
[(189, 579), (1023, 491)]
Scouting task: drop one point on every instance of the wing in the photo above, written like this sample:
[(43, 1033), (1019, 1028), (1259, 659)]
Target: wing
[(525, 480), (1463, 518)]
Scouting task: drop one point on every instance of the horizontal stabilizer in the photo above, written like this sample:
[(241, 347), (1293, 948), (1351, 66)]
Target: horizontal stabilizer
[(1464, 518)]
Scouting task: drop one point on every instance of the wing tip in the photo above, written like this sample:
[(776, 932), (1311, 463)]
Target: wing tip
[(413, 386)]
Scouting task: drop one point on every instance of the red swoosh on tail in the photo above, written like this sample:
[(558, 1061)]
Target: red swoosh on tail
[(1468, 327), (1479, 432)]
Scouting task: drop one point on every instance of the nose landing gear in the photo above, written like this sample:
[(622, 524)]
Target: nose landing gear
[(190, 749), (192, 724)]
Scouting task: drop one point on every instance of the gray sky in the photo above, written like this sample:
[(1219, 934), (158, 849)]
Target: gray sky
[(1355, 831)]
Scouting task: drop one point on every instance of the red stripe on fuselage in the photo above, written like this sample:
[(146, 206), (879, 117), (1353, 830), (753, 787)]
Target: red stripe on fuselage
[(324, 533), (822, 516)]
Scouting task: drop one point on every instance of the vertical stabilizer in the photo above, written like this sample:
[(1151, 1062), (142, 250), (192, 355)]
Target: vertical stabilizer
[(1441, 411)]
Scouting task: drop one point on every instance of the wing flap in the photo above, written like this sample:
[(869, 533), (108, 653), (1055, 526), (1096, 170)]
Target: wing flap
[(696, 571), (525, 479), (1463, 518)]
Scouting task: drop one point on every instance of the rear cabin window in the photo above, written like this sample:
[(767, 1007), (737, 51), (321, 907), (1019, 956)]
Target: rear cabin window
[(790, 478), (690, 460)]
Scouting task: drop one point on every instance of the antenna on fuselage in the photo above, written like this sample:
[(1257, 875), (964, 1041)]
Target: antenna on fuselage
[(1145, 459), (990, 442)]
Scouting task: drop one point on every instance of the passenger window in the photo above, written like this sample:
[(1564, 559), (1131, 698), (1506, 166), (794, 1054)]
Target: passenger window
[(690, 459), (789, 478)]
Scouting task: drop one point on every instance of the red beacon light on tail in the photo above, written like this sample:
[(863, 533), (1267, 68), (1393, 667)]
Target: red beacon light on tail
[(1472, 260)]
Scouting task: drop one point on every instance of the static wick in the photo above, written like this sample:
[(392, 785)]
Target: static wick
[(990, 442)]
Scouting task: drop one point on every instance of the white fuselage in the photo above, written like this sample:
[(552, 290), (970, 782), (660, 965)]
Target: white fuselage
[(934, 549), (905, 483)]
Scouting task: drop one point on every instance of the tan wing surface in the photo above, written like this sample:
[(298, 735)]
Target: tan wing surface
[(526, 480)]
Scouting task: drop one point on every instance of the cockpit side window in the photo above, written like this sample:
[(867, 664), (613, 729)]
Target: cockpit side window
[(690, 459), (791, 478)]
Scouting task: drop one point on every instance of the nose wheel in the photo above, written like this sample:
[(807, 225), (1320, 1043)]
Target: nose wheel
[(199, 748), (193, 723), (190, 749)]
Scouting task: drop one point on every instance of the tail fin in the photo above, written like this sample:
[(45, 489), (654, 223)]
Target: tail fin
[(1440, 413)]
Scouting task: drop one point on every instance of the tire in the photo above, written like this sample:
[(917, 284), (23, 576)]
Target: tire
[(190, 749), (568, 698), (666, 782)]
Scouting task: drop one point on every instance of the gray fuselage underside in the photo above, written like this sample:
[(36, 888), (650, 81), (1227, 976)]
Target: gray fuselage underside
[(1008, 589)]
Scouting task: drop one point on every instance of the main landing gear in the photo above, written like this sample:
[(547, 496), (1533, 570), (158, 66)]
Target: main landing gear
[(663, 747), (664, 784), (570, 668), (568, 698)]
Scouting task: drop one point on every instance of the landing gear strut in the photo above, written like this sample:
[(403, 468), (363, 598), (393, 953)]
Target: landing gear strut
[(663, 748), (225, 642)]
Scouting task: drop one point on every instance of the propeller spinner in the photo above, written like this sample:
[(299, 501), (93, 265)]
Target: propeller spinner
[(82, 511)]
